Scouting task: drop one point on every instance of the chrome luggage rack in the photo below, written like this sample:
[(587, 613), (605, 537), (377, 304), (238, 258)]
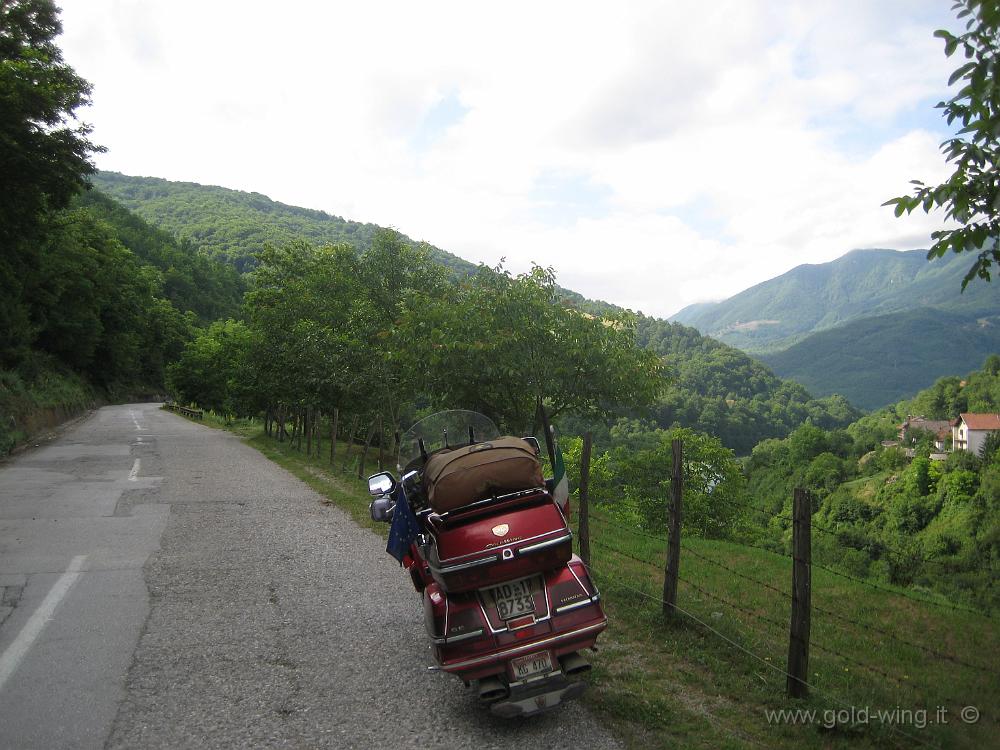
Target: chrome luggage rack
[(477, 508)]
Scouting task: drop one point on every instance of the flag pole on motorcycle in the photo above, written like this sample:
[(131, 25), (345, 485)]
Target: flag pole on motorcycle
[(560, 485)]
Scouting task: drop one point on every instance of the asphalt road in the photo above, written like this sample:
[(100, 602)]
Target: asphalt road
[(164, 585)]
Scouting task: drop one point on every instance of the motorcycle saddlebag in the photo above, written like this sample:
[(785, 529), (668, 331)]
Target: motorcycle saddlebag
[(470, 473), (484, 550)]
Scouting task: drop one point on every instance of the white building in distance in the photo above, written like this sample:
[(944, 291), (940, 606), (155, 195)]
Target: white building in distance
[(971, 430)]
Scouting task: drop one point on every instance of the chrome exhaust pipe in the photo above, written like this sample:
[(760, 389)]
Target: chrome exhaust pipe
[(491, 689), (574, 664)]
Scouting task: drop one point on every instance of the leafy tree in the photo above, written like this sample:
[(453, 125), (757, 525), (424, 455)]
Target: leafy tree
[(807, 442), (970, 195), (396, 283), (97, 309), (305, 350), (212, 368), (992, 365), (989, 451), (44, 156), (919, 476), (631, 480), (504, 344), (825, 473)]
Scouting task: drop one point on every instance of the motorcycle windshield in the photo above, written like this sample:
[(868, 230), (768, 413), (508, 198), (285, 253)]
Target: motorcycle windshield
[(445, 429)]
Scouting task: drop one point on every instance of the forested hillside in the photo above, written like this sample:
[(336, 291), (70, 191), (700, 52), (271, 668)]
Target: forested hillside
[(720, 390), (880, 360), (191, 279), (775, 314), (234, 225), (904, 519)]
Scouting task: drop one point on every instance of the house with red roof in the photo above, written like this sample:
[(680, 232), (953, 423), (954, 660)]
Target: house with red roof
[(970, 431)]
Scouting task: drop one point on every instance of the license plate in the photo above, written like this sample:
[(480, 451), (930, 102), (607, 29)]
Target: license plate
[(513, 599), (532, 664)]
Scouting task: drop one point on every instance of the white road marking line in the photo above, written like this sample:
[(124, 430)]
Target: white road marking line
[(135, 421), (135, 471), (17, 650)]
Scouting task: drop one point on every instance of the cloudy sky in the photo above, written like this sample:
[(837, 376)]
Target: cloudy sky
[(654, 153)]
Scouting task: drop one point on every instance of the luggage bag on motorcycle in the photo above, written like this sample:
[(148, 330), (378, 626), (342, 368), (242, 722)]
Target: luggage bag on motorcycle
[(525, 538), (464, 475)]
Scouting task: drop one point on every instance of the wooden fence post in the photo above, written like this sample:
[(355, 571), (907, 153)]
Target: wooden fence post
[(674, 530), (584, 527), (798, 641)]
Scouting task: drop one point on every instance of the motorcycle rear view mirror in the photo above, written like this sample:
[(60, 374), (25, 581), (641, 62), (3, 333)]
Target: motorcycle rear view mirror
[(381, 484)]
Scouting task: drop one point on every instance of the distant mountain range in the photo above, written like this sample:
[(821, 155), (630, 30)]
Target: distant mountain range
[(775, 314), (882, 359), (874, 325)]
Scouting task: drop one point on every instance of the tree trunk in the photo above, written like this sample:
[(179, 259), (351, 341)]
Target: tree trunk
[(333, 436), (309, 417), (364, 453), (381, 445), (350, 442)]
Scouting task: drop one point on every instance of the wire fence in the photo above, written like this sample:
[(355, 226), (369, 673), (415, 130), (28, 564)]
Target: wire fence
[(650, 549), (616, 582)]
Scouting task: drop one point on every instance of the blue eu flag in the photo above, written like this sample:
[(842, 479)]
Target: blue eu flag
[(403, 529)]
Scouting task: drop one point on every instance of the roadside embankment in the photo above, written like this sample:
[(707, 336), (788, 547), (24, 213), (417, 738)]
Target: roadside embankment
[(34, 404)]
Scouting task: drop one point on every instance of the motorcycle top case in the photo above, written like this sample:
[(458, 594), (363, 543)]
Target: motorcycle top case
[(525, 537), (464, 475)]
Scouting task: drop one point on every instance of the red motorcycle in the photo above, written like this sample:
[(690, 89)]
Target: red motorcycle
[(507, 604)]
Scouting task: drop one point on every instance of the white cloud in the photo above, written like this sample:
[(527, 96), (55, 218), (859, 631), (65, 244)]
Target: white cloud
[(725, 143)]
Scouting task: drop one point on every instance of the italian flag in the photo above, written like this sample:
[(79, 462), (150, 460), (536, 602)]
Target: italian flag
[(560, 492)]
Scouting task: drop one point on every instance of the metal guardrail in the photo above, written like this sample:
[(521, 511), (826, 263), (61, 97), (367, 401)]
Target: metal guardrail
[(192, 413)]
